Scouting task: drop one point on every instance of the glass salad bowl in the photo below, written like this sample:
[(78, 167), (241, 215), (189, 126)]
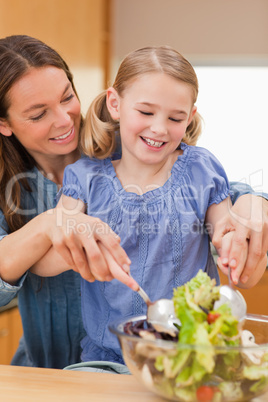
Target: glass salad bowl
[(186, 372)]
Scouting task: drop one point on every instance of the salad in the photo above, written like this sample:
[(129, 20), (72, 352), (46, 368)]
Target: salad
[(206, 370)]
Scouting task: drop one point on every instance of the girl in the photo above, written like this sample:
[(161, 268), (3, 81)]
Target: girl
[(162, 196)]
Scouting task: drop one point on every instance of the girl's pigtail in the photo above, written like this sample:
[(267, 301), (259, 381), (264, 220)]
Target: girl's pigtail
[(194, 130), (99, 129)]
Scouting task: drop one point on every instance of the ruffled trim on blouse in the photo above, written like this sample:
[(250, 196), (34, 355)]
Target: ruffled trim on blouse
[(195, 165), (181, 175)]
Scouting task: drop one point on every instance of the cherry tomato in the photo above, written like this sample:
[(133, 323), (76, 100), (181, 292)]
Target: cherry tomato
[(205, 393), (212, 317)]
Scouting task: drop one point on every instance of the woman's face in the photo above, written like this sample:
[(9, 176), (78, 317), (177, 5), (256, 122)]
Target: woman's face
[(44, 113)]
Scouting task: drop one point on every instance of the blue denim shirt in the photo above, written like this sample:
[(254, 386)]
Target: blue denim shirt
[(50, 308)]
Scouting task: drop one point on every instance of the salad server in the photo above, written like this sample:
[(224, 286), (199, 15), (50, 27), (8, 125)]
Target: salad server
[(234, 298), (160, 314)]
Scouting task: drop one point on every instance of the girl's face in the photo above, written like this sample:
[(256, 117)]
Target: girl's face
[(154, 112), (44, 113)]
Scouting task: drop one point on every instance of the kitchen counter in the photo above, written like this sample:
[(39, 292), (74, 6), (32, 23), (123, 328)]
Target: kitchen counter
[(27, 384)]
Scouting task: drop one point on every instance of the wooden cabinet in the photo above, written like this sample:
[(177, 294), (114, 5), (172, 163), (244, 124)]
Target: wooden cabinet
[(256, 297), (10, 333), (77, 29)]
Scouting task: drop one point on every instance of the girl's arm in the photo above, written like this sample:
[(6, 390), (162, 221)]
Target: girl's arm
[(228, 241)]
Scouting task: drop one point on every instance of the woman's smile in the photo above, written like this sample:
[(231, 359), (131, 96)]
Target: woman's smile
[(67, 136)]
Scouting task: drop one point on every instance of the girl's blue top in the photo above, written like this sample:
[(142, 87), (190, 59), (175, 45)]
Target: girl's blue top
[(162, 231), (50, 308)]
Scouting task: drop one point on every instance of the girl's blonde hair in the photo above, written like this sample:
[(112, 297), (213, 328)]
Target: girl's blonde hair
[(98, 137)]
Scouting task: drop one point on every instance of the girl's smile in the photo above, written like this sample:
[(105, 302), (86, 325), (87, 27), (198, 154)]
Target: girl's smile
[(152, 143)]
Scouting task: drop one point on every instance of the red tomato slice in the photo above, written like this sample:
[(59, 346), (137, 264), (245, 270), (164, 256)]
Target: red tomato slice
[(204, 393), (212, 317)]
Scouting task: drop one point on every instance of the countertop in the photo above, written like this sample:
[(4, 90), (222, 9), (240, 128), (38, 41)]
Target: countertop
[(27, 384)]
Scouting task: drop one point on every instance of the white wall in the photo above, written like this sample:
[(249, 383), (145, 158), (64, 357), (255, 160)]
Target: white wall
[(233, 102)]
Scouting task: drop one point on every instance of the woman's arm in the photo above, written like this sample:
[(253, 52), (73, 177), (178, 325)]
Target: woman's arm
[(19, 250), (73, 236)]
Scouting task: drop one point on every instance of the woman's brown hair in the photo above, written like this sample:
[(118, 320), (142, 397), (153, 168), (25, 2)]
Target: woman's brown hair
[(19, 53), (99, 131)]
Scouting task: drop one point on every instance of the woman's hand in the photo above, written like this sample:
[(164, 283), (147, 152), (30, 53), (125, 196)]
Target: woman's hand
[(249, 218), (87, 245)]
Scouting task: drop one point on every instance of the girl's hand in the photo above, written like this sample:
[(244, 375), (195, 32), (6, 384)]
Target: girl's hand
[(249, 218), (222, 262), (238, 268)]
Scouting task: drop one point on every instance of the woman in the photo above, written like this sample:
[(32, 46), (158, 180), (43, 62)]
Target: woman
[(39, 121)]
